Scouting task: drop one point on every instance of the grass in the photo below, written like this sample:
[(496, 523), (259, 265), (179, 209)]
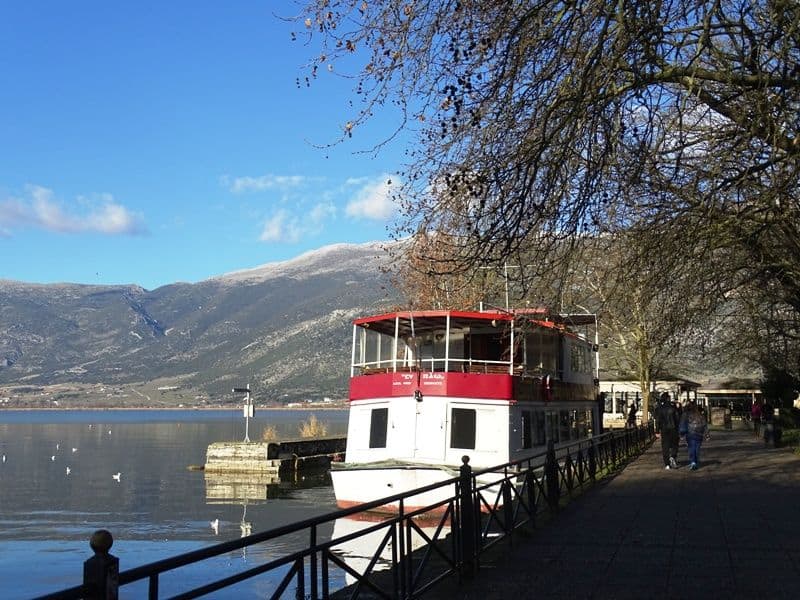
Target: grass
[(313, 428)]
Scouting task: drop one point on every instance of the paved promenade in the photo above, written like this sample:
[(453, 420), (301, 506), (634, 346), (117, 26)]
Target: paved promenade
[(729, 530)]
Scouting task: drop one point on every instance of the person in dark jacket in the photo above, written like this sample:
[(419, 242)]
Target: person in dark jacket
[(632, 414), (667, 419), (695, 427)]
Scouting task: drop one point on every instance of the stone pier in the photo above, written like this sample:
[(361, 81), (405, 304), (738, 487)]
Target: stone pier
[(272, 457)]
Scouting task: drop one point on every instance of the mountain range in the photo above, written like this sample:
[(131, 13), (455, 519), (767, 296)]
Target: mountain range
[(283, 328)]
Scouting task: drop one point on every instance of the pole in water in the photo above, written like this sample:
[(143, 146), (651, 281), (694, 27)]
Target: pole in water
[(249, 410)]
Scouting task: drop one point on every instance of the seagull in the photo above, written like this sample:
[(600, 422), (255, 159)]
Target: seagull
[(57, 445), (109, 432), (53, 457), (215, 526), (74, 449), (116, 476), (68, 470), (4, 458)]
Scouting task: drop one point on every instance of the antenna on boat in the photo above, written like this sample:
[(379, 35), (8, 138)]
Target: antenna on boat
[(417, 392), (506, 267), (249, 410)]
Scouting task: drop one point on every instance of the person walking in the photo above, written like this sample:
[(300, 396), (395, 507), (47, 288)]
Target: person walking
[(755, 417), (693, 425), (667, 421), (632, 415)]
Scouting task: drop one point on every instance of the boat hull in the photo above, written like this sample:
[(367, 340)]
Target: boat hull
[(358, 484)]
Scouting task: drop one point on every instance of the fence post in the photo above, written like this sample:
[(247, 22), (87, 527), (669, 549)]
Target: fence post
[(551, 475), (592, 460), (530, 484), (101, 572), (508, 509), (467, 525)]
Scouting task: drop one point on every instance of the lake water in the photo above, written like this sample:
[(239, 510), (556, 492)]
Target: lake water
[(156, 509)]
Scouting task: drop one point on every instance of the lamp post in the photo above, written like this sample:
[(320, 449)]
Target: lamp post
[(248, 411)]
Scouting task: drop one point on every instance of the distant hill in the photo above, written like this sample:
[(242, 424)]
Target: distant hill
[(283, 327)]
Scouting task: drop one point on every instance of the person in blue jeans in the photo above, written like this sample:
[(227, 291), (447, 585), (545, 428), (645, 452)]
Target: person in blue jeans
[(693, 425)]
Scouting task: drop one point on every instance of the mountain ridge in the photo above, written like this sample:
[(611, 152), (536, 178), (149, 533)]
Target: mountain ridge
[(283, 327)]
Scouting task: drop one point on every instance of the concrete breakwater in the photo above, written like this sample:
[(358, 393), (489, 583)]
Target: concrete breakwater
[(274, 457)]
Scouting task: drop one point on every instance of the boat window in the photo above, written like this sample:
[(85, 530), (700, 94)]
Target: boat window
[(551, 426), (456, 362), (580, 359), (582, 420), (432, 350), (526, 429), (565, 425), (378, 426), (539, 429), (374, 350), (541, 351), (462, 428)]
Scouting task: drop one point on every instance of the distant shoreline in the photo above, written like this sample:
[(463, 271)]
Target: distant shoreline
[(167, 408)]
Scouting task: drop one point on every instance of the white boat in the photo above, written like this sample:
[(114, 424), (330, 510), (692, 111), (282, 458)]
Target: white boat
[(429, 387)]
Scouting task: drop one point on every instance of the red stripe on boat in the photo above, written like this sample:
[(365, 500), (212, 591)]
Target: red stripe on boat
[(453, 384)]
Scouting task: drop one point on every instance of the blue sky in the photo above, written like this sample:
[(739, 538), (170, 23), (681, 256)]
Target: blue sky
[(154, 142)]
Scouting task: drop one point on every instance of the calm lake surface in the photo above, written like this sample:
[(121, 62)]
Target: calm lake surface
[(158, 508)]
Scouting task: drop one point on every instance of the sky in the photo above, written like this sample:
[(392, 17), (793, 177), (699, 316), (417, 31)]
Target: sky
[(153, 142)]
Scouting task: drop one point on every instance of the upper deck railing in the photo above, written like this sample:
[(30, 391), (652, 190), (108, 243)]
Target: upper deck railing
[(464, 365)]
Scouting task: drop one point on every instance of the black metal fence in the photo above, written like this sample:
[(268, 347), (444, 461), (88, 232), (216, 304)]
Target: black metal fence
[(410, 551)]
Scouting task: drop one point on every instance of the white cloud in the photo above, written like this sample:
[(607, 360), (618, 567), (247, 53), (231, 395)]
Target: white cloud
[(239, 185), (281, 227), (322, 212), (374, 200), (41, 210)]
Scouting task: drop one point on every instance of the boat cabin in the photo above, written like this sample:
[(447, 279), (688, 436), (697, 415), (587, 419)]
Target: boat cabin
[(432, 386)]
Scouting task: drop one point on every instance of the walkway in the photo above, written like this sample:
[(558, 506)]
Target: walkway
[(729, 530)]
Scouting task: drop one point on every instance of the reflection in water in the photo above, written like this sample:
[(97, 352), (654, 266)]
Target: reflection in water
[(230, 488), (364, 538)]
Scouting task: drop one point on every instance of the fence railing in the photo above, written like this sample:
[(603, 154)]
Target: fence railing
[(410, 551)]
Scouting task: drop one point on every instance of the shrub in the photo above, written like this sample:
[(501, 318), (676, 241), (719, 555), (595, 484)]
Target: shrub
[(270, 434), (791, 437), (313, 428)]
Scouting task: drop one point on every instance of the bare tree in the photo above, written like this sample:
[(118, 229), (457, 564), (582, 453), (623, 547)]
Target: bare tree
[(543, 123), (652, 305)]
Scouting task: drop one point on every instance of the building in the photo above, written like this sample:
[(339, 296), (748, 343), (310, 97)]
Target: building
[(621, 393)]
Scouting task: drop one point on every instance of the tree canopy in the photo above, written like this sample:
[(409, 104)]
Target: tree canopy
[(542, 123)]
